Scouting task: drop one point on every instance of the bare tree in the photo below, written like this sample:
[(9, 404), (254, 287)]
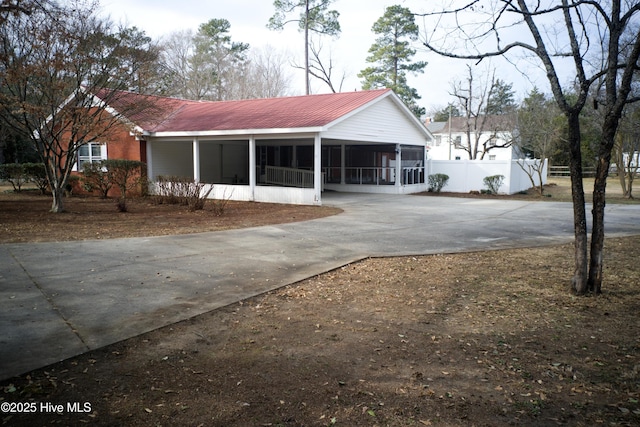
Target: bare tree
[(600, 40), (263, 75), (208, 66), (627, 151), (53, 63), (540, 129), (16, 7), (323, 68), (484, 132), (314, 17), (176, 51)]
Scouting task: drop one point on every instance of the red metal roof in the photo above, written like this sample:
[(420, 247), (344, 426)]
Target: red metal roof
[(159, 114)]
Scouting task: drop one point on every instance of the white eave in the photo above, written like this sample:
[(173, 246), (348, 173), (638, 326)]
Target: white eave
[(233, 132)]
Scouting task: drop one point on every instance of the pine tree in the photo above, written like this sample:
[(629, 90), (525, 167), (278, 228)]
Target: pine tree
[(391, 56)]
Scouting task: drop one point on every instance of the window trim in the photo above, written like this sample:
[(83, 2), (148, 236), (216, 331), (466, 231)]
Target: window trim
[(91, 157)]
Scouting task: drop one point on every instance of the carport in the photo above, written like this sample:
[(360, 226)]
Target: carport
[(288, 150)]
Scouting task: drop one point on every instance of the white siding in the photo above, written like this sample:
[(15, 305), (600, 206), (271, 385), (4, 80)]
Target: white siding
[(289, 195), (381, 122), (441, 152)]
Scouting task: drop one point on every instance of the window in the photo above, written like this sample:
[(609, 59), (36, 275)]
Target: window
[(458, 141), (492, 156), (92, 152), (438, 140)]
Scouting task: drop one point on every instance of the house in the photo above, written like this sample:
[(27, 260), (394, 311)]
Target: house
[(491, 140), (284, 150), (486, 137)]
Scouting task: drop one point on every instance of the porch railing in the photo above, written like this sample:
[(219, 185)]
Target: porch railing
[(288, 177), (375, 175), (413, 175)]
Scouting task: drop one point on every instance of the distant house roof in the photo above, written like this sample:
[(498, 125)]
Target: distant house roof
[(493, 123), (436, 127), (155, 115)]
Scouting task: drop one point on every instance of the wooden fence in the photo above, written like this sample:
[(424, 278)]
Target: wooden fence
[(564, 171)]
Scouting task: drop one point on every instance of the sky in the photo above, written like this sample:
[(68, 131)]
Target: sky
[(248, 19)]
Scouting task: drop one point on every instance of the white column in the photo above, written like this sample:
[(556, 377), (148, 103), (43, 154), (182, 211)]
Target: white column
[(398, 166), (252, 167), (294, 157), (343, 164), (150, 175), (196, 160), (317, 169)]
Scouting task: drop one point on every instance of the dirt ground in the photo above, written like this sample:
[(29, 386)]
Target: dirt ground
[(478, 339), (25, 217)]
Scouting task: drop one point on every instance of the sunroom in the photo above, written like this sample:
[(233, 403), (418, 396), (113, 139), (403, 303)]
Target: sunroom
[(290, 150)]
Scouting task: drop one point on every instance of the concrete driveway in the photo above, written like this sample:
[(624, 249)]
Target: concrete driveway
[(58, 300)]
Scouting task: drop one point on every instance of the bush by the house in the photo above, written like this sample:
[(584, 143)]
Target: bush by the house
[(72, 182), (171, 190), (126, 175), (437, 182), (96, 177), (181, 190), (493, 183)]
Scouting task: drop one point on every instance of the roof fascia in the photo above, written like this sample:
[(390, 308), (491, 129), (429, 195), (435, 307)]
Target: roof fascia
[(234, 132), (98, 102)]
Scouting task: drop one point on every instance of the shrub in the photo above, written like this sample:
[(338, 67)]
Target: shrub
[(96, 176), (183, 191), (493, 183), (72, 182), (197, 195), (437, 182), (18, 174), (15, 174), (126, 175), (219, 206), (38, 175), (171, 190)]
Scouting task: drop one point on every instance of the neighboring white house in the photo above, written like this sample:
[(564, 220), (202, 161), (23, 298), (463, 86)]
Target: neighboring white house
[(283, 150), (491, 140), (486, 137)]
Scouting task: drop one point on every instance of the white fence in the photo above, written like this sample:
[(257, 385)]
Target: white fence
[(468, 175)]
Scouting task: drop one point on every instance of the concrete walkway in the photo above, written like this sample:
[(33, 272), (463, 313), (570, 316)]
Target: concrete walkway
[(58, 300)]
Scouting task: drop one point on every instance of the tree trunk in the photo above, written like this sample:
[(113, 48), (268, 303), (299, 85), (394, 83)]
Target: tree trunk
[(57, 206), (579, 280), (540, 169), (306, 50), (620, 165), (597, 233), (599, 187)]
